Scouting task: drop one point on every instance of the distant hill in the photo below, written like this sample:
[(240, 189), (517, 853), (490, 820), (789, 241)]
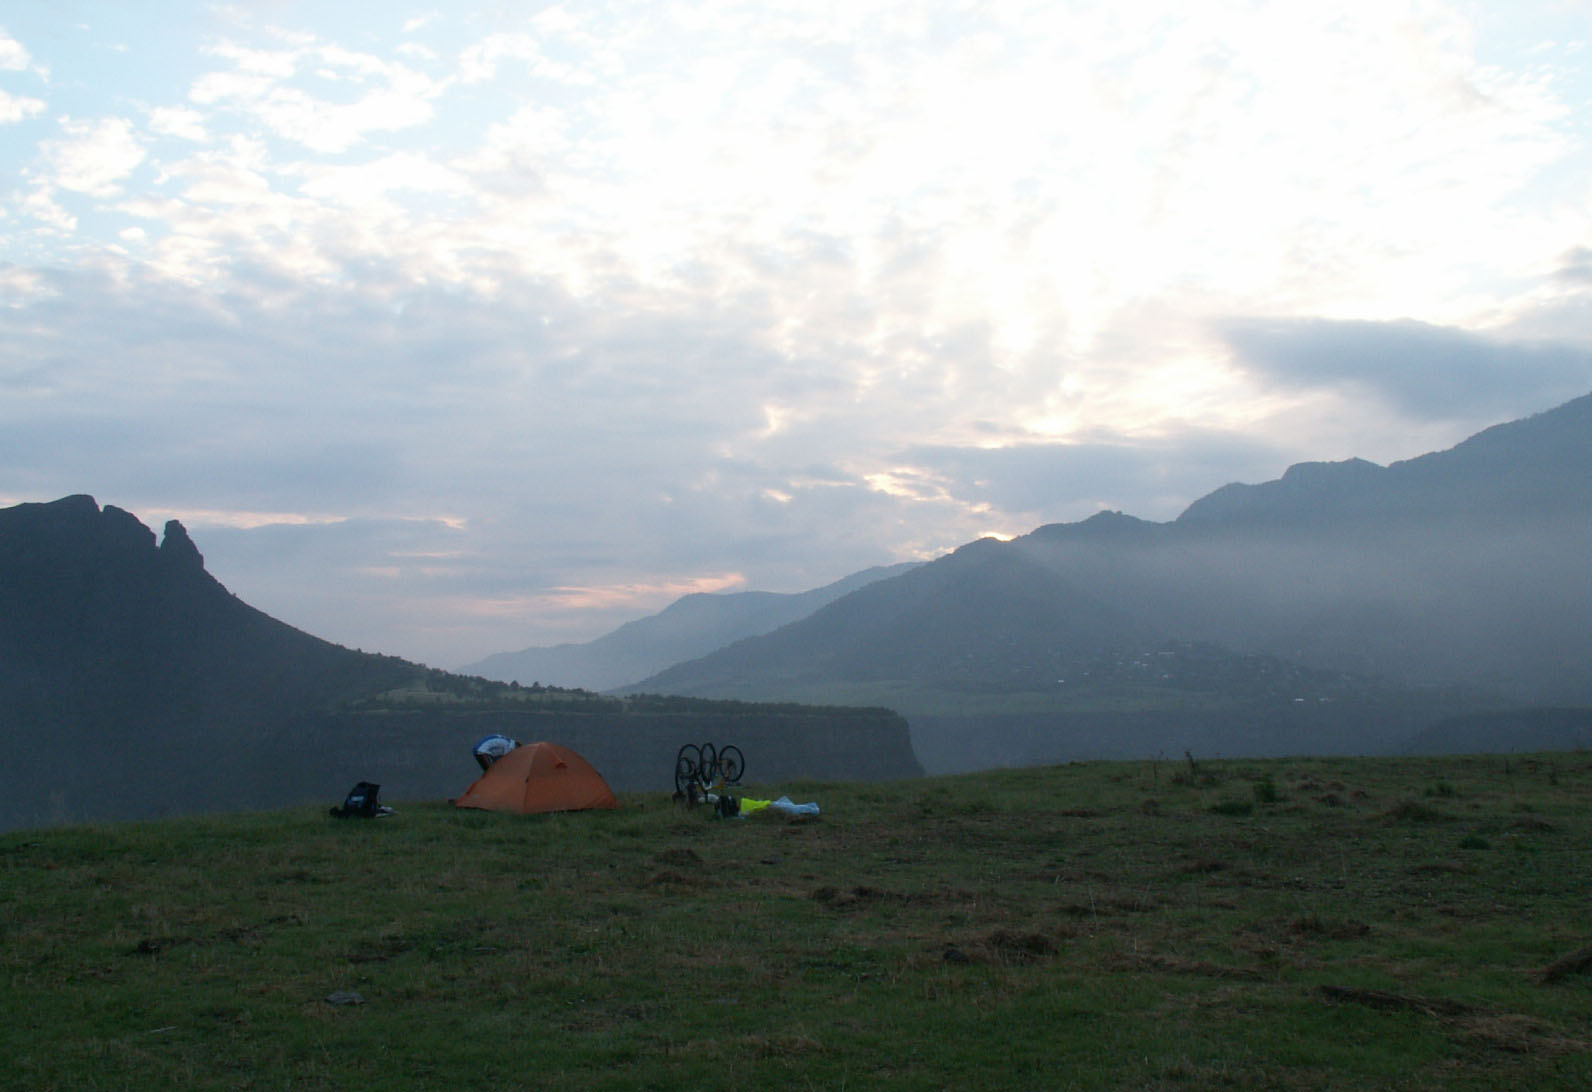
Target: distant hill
[(983, 619), (1446, 584), (691, 626), (132, 684)]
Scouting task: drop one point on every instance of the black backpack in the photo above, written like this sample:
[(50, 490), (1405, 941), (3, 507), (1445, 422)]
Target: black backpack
[(361, 802)]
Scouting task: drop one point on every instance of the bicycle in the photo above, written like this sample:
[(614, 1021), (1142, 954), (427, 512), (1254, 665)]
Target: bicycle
[(699, 770)]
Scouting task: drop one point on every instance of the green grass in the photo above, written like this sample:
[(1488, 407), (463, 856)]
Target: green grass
[(1107, 925)]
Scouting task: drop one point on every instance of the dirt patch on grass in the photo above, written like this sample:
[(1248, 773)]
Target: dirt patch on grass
[(1474, 1025), (1413, 811), (1178, 965), (781, 1046), (1533, 825), (1578, 962), (1315, 925), (836, 899), (1515, 1033), (1018, 947), (1005, 947), (1109, 904), (1393, 1002), (674, 878)]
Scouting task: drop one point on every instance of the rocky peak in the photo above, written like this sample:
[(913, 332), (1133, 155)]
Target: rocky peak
[(176, 548)]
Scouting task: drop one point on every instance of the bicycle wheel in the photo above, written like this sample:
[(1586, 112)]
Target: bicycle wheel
[(687, 763), (732, 767), (708, 772)]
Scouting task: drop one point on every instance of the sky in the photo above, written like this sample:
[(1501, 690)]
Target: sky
[(453, 330)]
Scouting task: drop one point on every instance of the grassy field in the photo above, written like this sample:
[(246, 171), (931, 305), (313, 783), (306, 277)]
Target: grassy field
[(1287, 924)]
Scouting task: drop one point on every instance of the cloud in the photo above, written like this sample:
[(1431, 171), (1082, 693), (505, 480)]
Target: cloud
[(360, 94), (41, 205), (1425, 371), (14, 56), (94, 157), (14, 108), (359, 184), (1577, 266), (179, 122), (481, 61)]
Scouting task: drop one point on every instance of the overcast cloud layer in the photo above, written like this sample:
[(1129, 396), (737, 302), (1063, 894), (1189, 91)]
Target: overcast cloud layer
[(448, 332)]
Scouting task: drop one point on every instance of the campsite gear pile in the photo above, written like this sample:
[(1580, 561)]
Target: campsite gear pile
[(702, 773), (362, 802), (784, 805), (726, 806), (529, 779), (539, 777)]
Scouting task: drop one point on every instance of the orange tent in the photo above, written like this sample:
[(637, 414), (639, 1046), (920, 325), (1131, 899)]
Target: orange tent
[(539, 777)]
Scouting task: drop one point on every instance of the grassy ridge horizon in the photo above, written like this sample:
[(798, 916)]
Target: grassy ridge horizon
[(1309, 923)]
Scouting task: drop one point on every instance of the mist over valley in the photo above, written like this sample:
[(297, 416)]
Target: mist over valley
[(1341, 608)]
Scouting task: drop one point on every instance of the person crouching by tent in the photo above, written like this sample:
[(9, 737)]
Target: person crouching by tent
[(492, 748)]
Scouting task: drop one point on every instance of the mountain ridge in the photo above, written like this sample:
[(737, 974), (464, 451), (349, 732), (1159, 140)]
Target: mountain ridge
[(1455, 579), (690, 626), (1505, 466), (1308, 497)]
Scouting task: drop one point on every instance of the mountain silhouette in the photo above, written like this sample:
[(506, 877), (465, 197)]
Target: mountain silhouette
[(979, 619), (1524, 470), (124, 663), (1441, 585), (690, 626)]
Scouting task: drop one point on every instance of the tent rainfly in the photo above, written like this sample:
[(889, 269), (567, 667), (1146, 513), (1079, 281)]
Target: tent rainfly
[(539, 777)]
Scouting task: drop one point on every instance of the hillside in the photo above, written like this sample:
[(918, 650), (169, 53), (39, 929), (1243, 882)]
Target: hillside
[(692, 626), (1451, 583), (133, 684), (1003, 605)]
